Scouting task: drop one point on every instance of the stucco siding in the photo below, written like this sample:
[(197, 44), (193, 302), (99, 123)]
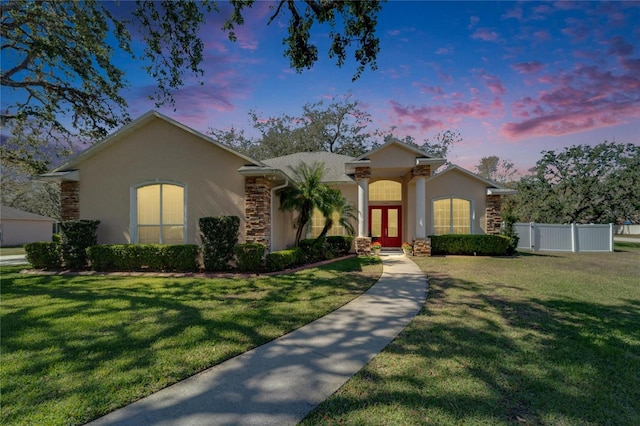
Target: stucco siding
[(159, 152), (391, 157), (458, 185)]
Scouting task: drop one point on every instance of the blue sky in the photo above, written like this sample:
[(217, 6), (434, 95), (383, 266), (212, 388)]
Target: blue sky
[(513, 78)]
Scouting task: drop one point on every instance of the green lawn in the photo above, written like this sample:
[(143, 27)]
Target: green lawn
[(8, 251), (77, 347), (542, 339)]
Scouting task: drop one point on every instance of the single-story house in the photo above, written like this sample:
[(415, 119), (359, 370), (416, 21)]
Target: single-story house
[(152, 180), (18, 227)]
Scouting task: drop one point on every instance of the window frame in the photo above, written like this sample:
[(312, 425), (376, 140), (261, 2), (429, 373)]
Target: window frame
[(451, 221), (133, 208)]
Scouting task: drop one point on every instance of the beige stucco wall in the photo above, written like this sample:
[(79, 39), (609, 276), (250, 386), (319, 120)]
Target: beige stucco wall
[(391, 157), (160, 152), (459, 185), (18, 232)]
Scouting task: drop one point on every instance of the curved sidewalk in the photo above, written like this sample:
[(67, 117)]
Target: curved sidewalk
[(280, 382)]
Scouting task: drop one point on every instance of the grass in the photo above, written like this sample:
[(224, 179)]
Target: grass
[(77, 347), (542, 339), (9, 251)]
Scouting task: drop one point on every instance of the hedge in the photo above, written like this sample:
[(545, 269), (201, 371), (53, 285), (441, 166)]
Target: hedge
[(339, 245), (77, 235), (144, 257), (219, 236), (481, 245), (284, 259), (316, 250), (44, 255), (249, 256)]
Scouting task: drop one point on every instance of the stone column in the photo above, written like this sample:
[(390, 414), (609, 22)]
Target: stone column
[(493, 210), (257, 211), (69, 200)]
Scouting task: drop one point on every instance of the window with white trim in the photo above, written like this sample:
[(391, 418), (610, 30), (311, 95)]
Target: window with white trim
[(451, 216), (160, 215), (317, 225)]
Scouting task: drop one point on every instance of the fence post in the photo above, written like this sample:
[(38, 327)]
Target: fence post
[(610, 236), (574, 231), (532, 235)]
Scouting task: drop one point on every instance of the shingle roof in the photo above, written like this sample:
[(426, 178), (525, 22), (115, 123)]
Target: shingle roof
[(334, 164), (9, 213)]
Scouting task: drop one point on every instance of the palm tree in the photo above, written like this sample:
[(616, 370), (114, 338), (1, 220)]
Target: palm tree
[(336, 202), (308, 193)]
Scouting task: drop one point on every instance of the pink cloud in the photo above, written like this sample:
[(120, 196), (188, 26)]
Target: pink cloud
[(527, 67), (619, 47), (542, 35), (492, 82), (583, 99), (576, 30), (448, 50), (485, 34), (473, 21)]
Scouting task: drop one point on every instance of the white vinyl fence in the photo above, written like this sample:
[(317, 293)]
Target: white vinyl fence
[(571, 237)]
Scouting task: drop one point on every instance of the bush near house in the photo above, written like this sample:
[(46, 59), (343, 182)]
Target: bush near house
[(340, 245), (144, 257), (249, 256), (44, 255), (219, 236), (284, 259), (316, 249), (470, 245), (77, 236)]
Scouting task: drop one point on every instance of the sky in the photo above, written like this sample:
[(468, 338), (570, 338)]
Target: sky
[(514, 78)]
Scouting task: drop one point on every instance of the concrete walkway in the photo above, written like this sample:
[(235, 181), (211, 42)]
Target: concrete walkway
[(14, 259), (280, 382)]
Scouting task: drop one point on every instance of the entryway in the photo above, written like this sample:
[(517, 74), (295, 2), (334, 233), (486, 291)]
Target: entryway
[(385, 225)]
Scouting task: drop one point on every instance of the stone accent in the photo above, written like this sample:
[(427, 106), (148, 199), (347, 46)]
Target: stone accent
[(421, 170), (69, 200), (257, 211), (363, 245), (422, 247), (492, 212), (363, 172)]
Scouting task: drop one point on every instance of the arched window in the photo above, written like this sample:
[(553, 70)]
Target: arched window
[(160, 214), (451, 216), (385, 190)]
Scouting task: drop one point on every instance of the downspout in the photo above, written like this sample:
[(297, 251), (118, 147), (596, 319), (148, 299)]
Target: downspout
[(273, 193)]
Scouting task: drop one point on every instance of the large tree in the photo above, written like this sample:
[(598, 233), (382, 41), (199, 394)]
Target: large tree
[(496, 169), (59, 82), (582, 184), (57, 54), (339, 126)]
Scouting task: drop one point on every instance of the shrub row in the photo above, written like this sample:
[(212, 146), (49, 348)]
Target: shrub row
[(285, 259), (77, 236), (481, 245), (219, 236), (144, 257), (249, 256), (44, 255)]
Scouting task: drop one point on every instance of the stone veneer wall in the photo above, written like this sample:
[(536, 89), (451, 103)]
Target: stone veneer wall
[(69, 200), (493, 214), (422, 247), (421, 170), (257, 211), (363, 245), (363, 172)]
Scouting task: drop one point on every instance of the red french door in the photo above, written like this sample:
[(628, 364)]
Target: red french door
[(385, 225)]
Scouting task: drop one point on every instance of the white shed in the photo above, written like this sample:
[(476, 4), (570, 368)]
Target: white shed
[(18, 227)]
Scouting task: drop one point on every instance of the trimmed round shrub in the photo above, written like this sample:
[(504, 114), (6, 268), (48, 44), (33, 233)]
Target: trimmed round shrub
[(249, 256), (44, 255), (77, 236)]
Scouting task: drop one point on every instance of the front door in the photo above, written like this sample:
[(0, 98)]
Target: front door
[(385, 225)]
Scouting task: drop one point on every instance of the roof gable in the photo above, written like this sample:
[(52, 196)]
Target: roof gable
[(135, 125), (334, 164), (397, 144), (458, 169)]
